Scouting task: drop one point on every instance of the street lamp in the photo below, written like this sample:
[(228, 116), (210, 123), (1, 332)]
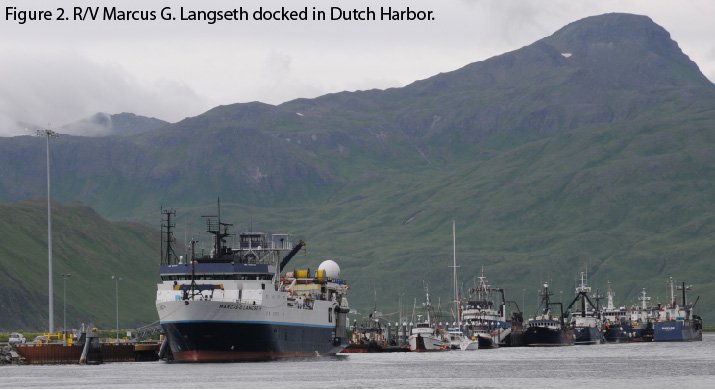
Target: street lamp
[(49, 133), (64, 303), (116, 296)]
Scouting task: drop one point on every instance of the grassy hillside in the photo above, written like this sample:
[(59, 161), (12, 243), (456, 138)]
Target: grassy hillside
[(89, 248), (632, 205), (592, 148)]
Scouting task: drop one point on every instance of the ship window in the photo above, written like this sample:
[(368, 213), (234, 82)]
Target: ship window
[(330, 315), (263, 286)]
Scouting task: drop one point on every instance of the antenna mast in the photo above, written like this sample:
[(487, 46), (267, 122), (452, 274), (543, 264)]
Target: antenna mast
[(454, 267), (168, 255)]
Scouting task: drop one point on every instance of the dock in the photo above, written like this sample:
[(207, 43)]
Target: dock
[(65, 354)]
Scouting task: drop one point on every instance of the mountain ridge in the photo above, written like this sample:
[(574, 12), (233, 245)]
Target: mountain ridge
[(102, 124)]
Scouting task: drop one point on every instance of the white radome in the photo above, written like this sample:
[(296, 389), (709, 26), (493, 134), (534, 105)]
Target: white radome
[(331, 268)]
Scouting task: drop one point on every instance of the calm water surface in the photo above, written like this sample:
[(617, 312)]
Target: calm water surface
[(644, 365)]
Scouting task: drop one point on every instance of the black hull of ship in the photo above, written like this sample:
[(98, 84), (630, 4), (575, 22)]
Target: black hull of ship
[(373, 347), (627, 334), (233, 342), (513, 339), (618, 334), (587, 336), (545, 337), (485, 343)]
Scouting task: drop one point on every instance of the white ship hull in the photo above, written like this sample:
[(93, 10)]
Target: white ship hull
[(431, 343)]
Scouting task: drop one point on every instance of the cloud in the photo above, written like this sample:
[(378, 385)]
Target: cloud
[(173, 70), (56, 88)]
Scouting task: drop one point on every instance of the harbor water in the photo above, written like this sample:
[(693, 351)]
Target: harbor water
[(637, 365)]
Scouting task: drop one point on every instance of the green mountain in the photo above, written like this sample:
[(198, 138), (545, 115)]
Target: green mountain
[(90, 249), (591, 148)]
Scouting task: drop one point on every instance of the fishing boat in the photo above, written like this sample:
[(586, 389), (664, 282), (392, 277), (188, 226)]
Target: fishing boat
[(625, 325), (484, 318), (237, 304), (547, 329), (586, 320), (424, 336), (372, 340), (375, 336), (677, 322)]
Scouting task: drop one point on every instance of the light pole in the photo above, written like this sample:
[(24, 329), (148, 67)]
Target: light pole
[(47, 134), (116, 296), (64, 303)]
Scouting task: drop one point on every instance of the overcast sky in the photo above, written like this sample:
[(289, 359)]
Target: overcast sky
[(61, 71)]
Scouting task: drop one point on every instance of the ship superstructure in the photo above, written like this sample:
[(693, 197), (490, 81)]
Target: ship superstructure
[(233, 305)]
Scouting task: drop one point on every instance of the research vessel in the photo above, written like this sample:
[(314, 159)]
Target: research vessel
[(236, 304)]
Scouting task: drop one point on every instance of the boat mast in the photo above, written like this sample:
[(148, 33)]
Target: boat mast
[(454, 267), (545, 294), (583, 290), (672, 291), (684, 288), (428, 305), (611, 294), (168, 254), (644, 299)]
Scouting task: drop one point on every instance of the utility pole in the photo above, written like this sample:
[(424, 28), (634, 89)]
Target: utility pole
[(116, 296), (47, 134), (64, 302)]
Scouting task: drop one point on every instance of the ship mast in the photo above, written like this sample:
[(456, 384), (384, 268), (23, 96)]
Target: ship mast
[(454, 267), (214, 227), (545, 294), (672, 291), (644, 299), (168, 255), (583, 289), (684, 288), (428, 305), (611, 294)]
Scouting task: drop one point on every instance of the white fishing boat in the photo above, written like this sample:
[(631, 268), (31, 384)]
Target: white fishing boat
[(424, 336)]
